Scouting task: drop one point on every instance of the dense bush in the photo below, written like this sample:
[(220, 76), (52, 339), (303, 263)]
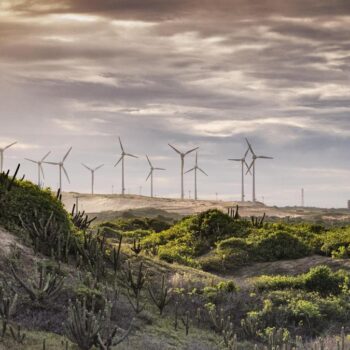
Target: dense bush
[(319, 279), (28, 201)]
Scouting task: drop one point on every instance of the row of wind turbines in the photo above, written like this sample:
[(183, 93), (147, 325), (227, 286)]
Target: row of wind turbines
[(245, 168)]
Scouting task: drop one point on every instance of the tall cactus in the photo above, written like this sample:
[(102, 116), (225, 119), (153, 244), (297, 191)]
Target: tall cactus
[(163, 297), (7, 308)]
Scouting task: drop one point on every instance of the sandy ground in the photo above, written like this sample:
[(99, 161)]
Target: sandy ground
[(103, 203), (147, 206)]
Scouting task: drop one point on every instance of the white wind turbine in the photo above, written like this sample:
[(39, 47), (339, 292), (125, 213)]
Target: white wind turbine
[(150, 175), (2, 154), (121, 159), (39, 163), (60, 168), (195, 168), (92, 175), (182, 156), (243, 163), (252, 165)]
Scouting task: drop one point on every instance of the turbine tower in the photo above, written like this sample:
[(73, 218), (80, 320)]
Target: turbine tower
[(92, 174), (121, 159), (252, 165), (195, 168), (243, 163), (150, 175), (2, 154), (182, 156), (61, 167), (39, 163)]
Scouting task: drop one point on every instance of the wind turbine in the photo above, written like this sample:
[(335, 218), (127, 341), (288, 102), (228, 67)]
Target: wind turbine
[(195, 168), (182, 156), (39, 163), (2, 154), (121, 159), (252, 165), (150, 175), (92, 175), (243, 163), (61, 167)]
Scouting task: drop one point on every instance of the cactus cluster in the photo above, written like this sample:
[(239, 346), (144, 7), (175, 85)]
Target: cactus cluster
[(258, 222), (80, 219), (163, 297), (134, 284), (45, 286), (48, 236), (233, 212)]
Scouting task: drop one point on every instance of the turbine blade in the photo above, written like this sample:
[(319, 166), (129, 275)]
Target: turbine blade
[(159, 169), (235, 159), (10, 145), (188, 171), (52, 163), (99, 167), (176, 150), (45, 156), (248, 169), (85, 166), (149, 162), (202, 171), (131, 155), (246, 153), (120, 159), (121, 145), (191, 150), (250, 166), (65, 172), (65, 157), (264, 157), (250, 146), (150, 173), (31, 160)]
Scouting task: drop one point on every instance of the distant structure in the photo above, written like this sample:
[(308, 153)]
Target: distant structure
[(243, 163), (92, 175), (302, 198), (60, 168), (2, 150), (121, 159), (195, 168), (150, 175), (252, 165), (39, 163), (182, 156), (348, 204)]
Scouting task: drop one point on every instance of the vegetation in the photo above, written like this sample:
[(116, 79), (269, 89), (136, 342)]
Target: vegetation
[(94, 287)]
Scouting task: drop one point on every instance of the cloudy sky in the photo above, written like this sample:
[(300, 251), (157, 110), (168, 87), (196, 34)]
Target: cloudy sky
[(194, 73)]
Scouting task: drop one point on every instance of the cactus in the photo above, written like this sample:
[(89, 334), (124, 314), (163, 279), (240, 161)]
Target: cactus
[(234, 214), (186, 321), (107, 337), (137, 247), (116, 255), (17, 335), (134, 285), (44, 287), (218, 319), (258, 222), (48, 237), (82, 326), (7, 308), (163, 298), (176, 316), (80, 219)]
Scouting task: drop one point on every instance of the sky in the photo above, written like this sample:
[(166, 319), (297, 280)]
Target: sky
[(191, 73)]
